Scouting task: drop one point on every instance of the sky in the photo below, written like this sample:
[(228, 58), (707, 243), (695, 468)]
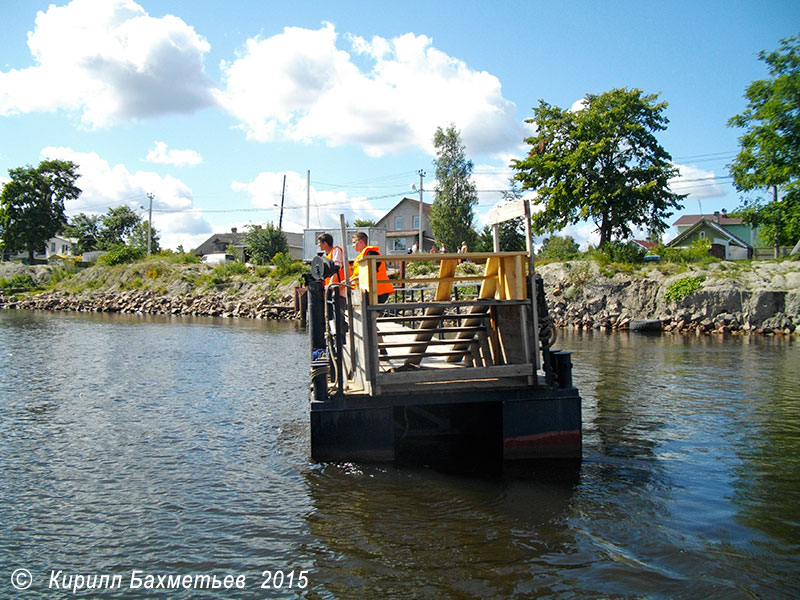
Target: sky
[(208, 106)]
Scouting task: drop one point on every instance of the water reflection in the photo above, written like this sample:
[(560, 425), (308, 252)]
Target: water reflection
[(181, 445), (417, 533)]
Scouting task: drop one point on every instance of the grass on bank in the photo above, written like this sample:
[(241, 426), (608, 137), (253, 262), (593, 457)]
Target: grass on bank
[(165, 273)]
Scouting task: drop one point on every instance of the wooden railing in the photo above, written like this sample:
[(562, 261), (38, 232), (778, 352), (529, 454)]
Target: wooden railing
[(468, 343)]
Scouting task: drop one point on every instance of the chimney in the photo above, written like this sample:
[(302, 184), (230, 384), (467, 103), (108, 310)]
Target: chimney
[(716, 217), (724, 213), (233, 229)]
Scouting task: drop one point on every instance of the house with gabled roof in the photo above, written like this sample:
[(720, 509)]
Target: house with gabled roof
[(234, 240), (402, 227), (725, 244)]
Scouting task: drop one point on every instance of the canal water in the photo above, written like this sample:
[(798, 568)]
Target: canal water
[(134, 447)]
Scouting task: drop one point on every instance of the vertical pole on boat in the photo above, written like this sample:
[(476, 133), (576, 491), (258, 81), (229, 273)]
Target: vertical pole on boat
[(496, 237), (532, 278), (316, 330), (343, 229)]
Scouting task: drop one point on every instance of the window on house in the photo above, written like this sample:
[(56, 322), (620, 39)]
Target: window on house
[(416, 222), (398, 223), (399, 244), (53, 247), (702, 235)]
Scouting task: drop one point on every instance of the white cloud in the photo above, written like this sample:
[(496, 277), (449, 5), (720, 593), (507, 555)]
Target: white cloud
[(162, 155), (104, 186), (111, 61), (696, 182), (579, 105), (299, 85), (265, 192)]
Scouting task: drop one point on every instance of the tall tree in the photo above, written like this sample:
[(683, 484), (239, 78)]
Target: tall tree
[(263, 243), (118, 225), (32, 204), (601, 162), (138, 237), (770, 147), (451, 212), (86, 229)]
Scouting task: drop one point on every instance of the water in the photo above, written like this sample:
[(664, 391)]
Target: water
[(180, 447)]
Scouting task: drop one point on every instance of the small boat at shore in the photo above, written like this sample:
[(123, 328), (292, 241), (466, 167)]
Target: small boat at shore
[(469, 384)]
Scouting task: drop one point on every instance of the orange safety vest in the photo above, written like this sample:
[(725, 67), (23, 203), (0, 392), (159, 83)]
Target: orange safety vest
[(339, 276), (384, 286)]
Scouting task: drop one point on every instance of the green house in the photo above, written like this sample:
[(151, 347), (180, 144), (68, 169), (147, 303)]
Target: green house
[(730, 238)]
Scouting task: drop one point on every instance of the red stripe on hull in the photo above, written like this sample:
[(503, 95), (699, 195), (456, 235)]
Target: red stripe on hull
[(553, 444)]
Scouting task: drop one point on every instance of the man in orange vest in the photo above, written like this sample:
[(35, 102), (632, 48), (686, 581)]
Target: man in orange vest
[(362, 248)]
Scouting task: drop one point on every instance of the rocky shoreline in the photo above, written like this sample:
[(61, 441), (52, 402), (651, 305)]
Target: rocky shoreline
[(732, 298), (148, 302)]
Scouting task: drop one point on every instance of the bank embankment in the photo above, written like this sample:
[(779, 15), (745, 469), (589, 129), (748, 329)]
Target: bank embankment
[(152, 287), (722, 297)]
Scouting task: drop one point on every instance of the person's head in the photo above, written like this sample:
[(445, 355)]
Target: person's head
[(325, 241), (359, 240)]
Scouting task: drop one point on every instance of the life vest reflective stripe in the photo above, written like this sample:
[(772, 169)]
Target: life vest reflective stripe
[(384, 286), (336, 277)]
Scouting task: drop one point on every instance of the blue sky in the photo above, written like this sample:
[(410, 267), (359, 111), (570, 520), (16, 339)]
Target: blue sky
[(208, 105)]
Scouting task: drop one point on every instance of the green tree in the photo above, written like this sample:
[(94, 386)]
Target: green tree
[(32, 204), (770, 147), (138, 237), (117, 228), (86, 229), (451, 212), (559, 248), (364, 223), (602, 162), (263, 243)]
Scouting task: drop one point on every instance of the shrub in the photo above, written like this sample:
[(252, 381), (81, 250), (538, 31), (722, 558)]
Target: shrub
[(420, 268), (683, 287), (285, 266), (179, 257), (618, 252), (119, 255), (20, 280)]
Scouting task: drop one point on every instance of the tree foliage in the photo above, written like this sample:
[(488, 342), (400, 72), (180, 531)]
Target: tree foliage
[(86, 229), (451, 212), (364, 223), (263, 243), (120, 226), (32, 204), (602, 162), (117, 228), (770, 146), (138, 237), (559, 248)]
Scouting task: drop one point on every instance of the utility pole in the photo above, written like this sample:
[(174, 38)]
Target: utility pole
[(149, 223), (283, 193), (421, 175), (308, 197)]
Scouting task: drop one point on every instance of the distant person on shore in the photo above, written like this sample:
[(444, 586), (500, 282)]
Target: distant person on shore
[(362, 248)]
